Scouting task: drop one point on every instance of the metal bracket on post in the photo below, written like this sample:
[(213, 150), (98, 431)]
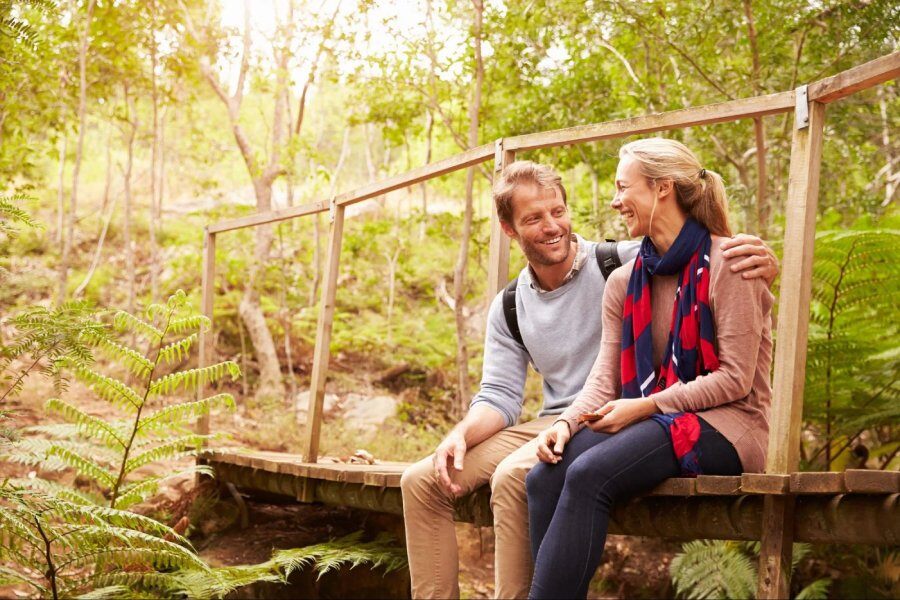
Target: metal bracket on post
[(498, 155), (332, 208), (801, 107)]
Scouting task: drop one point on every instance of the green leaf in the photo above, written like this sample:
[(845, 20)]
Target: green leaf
[(192, 378), (180, 414), (87, 424)]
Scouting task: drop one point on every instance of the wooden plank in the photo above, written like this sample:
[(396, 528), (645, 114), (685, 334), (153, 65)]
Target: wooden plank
[(831, 482), (762, 483), (858, 78), (498, 251), (322, 350), (786, 411), (796, 285), (272, 216), (776, 548), (865, 481), (719, 485), (456, 162), (208, 284), (676, 486), (686, 117)]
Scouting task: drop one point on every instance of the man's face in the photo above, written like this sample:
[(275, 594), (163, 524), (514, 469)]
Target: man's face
[(541, 224)]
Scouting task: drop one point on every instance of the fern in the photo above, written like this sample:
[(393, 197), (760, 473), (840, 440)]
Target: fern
[(192, 378), (179, 413), (726, 569), (853, 378)]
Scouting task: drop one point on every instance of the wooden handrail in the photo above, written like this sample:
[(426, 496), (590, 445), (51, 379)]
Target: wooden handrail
[(824, 91)]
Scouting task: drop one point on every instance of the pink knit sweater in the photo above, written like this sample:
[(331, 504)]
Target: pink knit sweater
[(735, 398)]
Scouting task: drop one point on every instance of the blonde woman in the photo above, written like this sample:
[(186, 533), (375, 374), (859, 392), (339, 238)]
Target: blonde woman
[(681, 382)]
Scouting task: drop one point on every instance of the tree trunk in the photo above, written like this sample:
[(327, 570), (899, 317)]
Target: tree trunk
[(459, 273), (154, 157), (890, 185), (76, 169), (106, 212), (429, 128), (762, 200), (61, 195), (132, 120)]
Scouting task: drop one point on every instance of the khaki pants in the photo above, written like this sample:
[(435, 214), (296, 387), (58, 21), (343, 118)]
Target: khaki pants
[(503, 460)]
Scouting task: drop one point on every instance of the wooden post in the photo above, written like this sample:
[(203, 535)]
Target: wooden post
[(790, 351), (498, 255), (323, 335), (208, 284)]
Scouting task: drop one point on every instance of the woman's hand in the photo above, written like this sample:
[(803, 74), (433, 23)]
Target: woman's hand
[(619, 414), (552, 441)]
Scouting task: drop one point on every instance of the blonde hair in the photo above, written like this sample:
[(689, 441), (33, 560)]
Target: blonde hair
[(522, 172), (699, 192)]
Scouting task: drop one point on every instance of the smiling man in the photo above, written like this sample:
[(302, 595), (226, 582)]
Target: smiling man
[(557, 311)]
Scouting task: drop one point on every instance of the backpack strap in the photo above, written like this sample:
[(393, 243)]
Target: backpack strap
[(509, 310), (607, 257)]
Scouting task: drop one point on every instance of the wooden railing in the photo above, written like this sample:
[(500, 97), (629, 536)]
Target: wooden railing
[(808, 103)]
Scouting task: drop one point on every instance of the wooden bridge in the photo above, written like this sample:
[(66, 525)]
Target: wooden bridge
[(778, 507)]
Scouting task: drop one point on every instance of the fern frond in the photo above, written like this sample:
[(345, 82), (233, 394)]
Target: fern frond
[(139, 491), (178, 414), (128, 322), (183, 446), (713, 569), (87, 425), (102, 516), (817, 590), (135, 361), (105, 593), (86, 467), (111, 390), (177, 351), (192, 378), (65, 492), (11, 577), (191, 323)]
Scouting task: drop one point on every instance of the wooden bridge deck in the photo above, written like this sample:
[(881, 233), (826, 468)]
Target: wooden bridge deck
[(854, 506)]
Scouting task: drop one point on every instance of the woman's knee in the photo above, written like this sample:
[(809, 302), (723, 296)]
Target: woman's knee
[(544, 480), (587, 474)]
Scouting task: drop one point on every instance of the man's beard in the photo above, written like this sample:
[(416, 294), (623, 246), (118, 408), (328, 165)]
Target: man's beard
[(536, 255)]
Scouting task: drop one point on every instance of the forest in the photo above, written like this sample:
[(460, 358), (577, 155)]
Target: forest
[(127, 127)]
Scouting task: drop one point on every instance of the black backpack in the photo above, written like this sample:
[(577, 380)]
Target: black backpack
[(607, 260)]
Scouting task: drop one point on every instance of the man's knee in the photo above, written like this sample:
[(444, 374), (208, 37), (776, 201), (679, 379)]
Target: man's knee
[(508, 484), (418, 481)]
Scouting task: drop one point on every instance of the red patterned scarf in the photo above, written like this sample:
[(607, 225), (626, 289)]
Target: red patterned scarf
[(690, 349)]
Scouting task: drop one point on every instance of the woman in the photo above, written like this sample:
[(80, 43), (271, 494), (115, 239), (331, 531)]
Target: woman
[(681, 383)]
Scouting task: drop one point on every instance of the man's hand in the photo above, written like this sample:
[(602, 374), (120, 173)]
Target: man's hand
[(757, 259), (619, 414), (552, 441), (451, 450)]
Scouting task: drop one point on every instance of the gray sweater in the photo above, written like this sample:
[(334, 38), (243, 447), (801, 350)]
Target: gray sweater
[(561, 333)]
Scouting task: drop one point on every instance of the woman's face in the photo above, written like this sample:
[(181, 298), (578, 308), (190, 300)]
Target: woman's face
[(634, 197)]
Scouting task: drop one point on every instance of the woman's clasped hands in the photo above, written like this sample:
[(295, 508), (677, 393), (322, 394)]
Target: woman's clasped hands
[(612, 417)]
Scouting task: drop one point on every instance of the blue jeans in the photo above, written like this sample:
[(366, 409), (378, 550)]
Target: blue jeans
[(569, 502)]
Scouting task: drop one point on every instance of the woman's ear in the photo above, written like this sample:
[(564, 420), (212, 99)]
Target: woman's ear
[(665, 188)]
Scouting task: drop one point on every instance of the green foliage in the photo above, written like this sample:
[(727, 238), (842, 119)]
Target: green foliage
[(853, 366), (60, 546), (724, 569), (147, 435), (47, 340)]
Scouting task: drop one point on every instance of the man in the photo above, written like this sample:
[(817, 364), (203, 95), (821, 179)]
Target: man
[(558, 302)]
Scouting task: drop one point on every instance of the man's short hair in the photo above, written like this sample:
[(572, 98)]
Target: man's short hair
[(523, 172)]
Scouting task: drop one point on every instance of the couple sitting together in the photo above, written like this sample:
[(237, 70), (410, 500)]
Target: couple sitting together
[(680, 385)]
